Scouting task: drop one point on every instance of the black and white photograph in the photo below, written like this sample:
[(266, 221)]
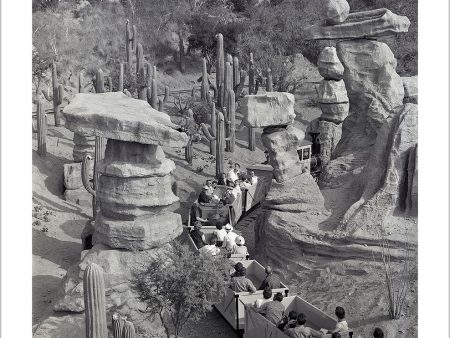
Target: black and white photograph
[(225, 168)]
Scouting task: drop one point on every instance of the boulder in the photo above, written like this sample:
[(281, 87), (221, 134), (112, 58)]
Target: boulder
[(388, 184), (329, 65), (331, 91), (268, 109), (282, 145), (116, 116), (334, 112), (374, 23), (336, 11), (72, 175), (82, 145), (78, 196), (143, 233), (411, 89), (330, 134)]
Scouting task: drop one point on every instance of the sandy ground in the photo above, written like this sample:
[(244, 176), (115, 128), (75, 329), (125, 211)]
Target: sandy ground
[(57, 224)]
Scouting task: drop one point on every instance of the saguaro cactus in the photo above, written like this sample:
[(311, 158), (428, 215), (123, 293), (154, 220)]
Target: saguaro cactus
[(128, 330), (154, 100), (220, 69), (94, 302), (41, 129), (140, 73), (110, 85), (269, 81), (228, 81), (166, 94), (236, 73), (57, 97), (181, 52), (121, 77), (117, 325), (251, 76), (99, 82), (219, 137), (205, 86), (129, 42), (231, 122), (85, 179), (160, 105)]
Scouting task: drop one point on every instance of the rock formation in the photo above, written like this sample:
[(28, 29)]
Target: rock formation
[(134, 194)]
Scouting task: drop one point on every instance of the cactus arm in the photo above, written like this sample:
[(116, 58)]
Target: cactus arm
[(85, 174), (207, 132), (47, 96), (60, 95)]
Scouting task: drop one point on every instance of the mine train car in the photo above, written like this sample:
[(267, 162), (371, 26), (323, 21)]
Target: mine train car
[(246, 201), (208, 232), (257, 326), (309, 155)]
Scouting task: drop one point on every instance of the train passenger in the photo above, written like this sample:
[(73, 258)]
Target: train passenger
[(239, 248), (234, 173), (273, 310), (222, 180), (195, 214), (289, 321), (341, 323), (230, 238), (219, 234), (253, 178), (210, 192), (267, 295), (237, 267), (197, 235), (378, 333), (302, 331), (204, 197), (210, 249), (272, 281), (229, 196), (236, 191), (240, 283)]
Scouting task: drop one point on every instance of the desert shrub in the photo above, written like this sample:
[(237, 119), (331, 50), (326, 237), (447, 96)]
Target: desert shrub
[(181, 286)]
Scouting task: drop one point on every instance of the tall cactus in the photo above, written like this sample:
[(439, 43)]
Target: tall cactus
[(251, 76), (99, 82), (236, 73), (134, 38), (205, 85), (41, 129), (117, 325), (57, 97), (140, 73), (251, 139), (85, 179), (128, 330), (212, 143), (154, 100), (231, 122), (220, 70), (166, 94), (121, 77), (181, 52), (269, 81), (129, 41), (94, 302), (219, 137), (228, 81), (160, 105), (80, 82), (110, 85)]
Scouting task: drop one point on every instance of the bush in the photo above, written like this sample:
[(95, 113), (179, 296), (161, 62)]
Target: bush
[(181, 286)]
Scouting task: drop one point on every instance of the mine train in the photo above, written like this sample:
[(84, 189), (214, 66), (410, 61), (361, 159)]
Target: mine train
[(236, 308), (309, 155)]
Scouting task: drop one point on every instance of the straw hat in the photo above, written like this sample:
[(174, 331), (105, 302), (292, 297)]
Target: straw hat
[(240, 240), (228, 227)]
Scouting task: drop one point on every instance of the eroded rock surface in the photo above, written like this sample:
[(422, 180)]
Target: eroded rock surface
[(329, 65)]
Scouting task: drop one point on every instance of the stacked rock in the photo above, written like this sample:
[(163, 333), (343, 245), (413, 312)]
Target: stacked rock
[(333, 101), (275, 113), (135, 186)]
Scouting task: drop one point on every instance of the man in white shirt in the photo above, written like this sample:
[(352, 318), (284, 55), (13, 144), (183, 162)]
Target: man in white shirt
[(254, 179), (211, 249), (230, 238), (233, 174)]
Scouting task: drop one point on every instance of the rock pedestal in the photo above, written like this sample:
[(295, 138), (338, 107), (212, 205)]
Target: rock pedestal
[(82, 144)]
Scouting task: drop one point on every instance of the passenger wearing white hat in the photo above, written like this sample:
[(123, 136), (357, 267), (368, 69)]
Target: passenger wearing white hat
[(230, 237), (240, 248)]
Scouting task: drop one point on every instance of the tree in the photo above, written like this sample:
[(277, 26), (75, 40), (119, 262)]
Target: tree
[(180, 285)]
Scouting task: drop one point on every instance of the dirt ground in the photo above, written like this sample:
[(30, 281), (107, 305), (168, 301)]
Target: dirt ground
[(57, 224)]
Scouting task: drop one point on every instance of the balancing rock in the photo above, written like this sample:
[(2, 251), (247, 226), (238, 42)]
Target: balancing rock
[(329, 65), (268, 109), (336, 11)]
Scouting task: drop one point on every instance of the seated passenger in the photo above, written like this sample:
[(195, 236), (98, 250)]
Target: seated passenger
[(219, 234), (229, 196), (237, 267), (254, 178), (267, 295), (211, 249), (222, 180), (289, 321), (195, 214), (230, 238), (204, 197), (302, 331), (271, 281), (236, 191), (341, 323), (273, 310), (239, 248), (240, 283), (197, 235), (234, 173), (378, 333), (210, 191)]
